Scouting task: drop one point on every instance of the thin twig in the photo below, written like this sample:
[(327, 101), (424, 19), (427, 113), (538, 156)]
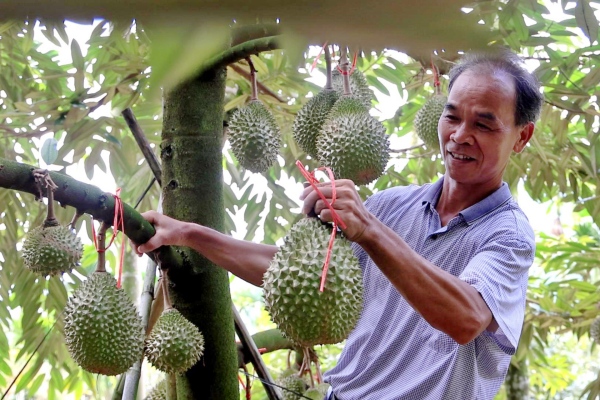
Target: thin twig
[(329, 81), (30, 357), (101, 242), (261, 86), (143, 143), (139, 200), (254, 95)]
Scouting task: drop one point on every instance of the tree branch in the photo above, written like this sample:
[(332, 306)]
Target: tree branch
[(241, 51), (269, 340), (86, 199), (241, 34), (143, 143), (261, 87)]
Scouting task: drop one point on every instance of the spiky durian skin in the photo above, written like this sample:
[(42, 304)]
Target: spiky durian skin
[(103, 330), (310, 119), (295, 386), (318, 392), (175, 344), (426, 121), (353, 143), (158, 392), (358, 86), (305, 315), (595, 330), (254, 136), (51, 250)]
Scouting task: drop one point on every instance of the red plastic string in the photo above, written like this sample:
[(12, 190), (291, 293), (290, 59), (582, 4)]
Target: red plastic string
[(352, 68), (118, 220), (314, 64), (337, 221)]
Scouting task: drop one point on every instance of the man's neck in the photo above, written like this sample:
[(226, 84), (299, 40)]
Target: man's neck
[(456, 197)]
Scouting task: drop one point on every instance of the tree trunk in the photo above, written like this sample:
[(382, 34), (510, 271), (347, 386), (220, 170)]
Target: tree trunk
[(517, 381), (192, 180)]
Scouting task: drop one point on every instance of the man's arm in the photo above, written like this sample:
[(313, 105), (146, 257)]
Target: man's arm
[(446, 302), (244, 259)]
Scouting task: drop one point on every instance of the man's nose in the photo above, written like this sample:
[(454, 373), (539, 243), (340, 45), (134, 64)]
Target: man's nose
[(462, 135)]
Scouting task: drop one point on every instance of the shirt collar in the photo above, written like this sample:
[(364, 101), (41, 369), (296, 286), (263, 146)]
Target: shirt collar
[(477, 210)]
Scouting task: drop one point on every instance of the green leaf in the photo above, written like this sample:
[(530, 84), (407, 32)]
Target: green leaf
[(49, 151), (586, 20), (78, 60)]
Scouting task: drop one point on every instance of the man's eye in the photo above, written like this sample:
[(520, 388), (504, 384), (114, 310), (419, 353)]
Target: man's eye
[(482, 126)]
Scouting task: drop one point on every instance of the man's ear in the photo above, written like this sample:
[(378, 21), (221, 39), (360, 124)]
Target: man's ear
[(526, 131)]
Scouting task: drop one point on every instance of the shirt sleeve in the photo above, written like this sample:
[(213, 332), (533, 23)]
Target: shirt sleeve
[(499, 272)]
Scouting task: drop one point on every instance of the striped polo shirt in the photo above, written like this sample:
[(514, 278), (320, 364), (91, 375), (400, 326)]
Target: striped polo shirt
[(393, 353)]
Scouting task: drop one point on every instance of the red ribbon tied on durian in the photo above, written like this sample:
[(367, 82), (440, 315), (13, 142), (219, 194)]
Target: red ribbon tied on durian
[(118, 224), (337, 221)]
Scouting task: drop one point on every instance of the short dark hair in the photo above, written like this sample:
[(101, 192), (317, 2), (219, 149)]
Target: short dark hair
[(529, 100)]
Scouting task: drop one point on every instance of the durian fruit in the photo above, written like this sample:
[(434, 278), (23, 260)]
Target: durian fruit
[(158, 392), (318, 392), (358, 86), (175, 344), (353, 143), (295, 386), (254, 136), (310, 119), (50, 250), (595, 330), (303, 313), (103, 330), (427, 118)]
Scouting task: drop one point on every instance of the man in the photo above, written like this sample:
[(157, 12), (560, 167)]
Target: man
[(445, 265)]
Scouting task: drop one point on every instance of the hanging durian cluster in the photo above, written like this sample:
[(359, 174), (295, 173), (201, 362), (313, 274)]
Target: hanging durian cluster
[(336, 129), (158, 392), (427, 118), (303, 313), (103, 330), (52, 248), (297, 384), (175, 344), (253, 132)]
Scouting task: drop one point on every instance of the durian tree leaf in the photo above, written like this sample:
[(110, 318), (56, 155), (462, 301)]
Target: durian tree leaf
[(49, 151), (35, 385), (586, 19)]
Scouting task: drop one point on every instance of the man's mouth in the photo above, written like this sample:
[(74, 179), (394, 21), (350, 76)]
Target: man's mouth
[(462, 157)]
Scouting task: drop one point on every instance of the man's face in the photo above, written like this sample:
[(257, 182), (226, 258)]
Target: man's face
[(477, 129)]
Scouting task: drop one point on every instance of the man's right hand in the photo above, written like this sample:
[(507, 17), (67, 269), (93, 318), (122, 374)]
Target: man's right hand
[(169, 231)]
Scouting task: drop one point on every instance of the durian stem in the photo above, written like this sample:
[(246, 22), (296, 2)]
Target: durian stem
[(172, 387), (328, 82), (165, 288), (158, 306), (74, 220), (101, 249), (254, 95), (42, 178), (306, 365), (345, 67), (319, 373)]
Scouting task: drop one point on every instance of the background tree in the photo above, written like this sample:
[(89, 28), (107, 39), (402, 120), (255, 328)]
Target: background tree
[(79, 102)]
